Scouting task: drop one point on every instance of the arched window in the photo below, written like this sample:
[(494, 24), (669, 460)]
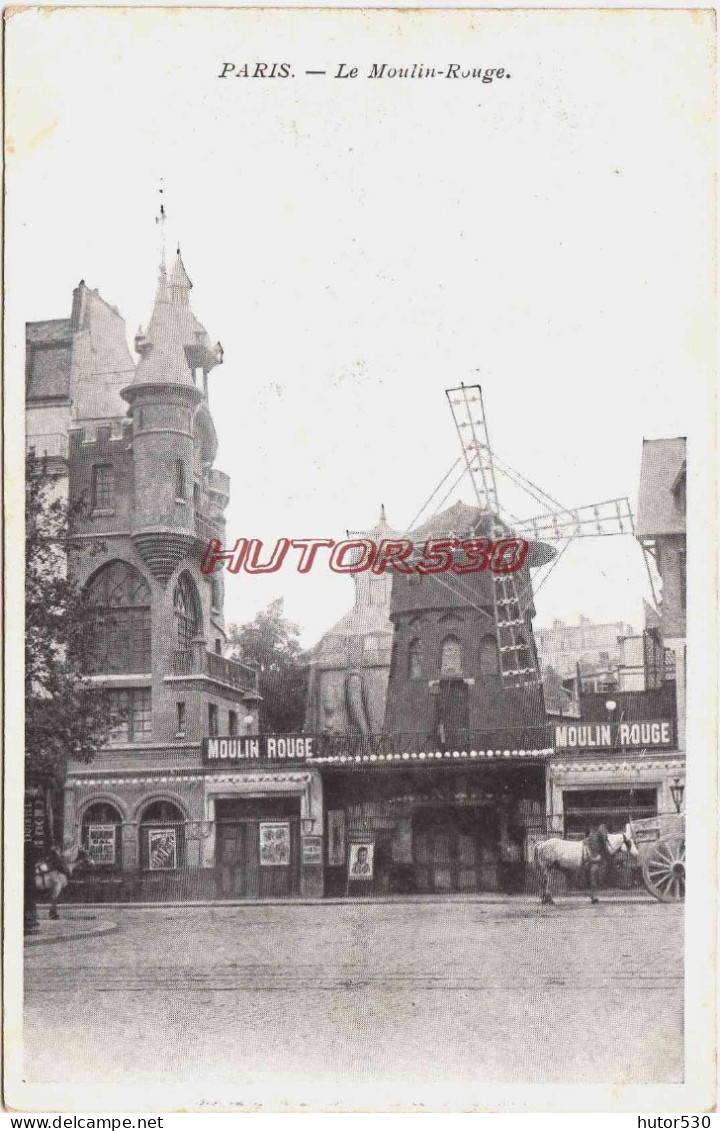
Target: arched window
[(102, 835), (415, 660), (187, 611), (489, 656), (162, 837), (451, 657), (120, 627)]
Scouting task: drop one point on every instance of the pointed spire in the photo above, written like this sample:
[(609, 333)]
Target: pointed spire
[(179, 276), (175, 344)]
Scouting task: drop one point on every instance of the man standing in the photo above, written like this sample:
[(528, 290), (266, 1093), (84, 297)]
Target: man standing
[(596, 851)]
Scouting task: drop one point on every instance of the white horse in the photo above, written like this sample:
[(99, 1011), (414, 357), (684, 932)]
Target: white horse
[(52, 874), (575, 856)]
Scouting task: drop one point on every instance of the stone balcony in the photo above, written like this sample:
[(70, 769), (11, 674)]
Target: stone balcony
[(207, 528), (198, 661)]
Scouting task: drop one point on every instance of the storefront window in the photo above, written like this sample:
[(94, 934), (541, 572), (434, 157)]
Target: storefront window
[(585, 809), (101, 835), (162, 837)]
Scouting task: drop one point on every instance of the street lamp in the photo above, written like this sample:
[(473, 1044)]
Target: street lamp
[(677, 792)]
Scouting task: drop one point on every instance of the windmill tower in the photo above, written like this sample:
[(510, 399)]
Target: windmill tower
[(467, 640)]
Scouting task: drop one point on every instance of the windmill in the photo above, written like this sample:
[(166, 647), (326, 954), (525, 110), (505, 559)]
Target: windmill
[(552, 523)]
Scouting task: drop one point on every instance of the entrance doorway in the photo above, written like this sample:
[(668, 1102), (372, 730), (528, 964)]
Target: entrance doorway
[(456, 850), (257, 848), (452, 713)]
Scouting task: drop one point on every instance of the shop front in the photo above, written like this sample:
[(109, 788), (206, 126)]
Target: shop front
[(238, 819), (451, 826)]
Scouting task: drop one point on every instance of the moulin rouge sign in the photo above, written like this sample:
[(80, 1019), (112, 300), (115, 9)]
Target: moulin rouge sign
[(276, 749), (614, 736)]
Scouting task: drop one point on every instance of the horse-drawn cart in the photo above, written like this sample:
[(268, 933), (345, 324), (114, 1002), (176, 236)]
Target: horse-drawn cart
[(661, 843)]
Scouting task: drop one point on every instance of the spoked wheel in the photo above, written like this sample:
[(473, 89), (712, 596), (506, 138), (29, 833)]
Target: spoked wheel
[(664, 870)]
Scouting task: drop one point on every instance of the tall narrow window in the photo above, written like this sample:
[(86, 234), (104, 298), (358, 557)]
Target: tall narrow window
[(120, 637), (451, 657), (103, 487), (187, 611), (181, 718), (215, 594), (232, 722), (489, 656), (415, 660), (213, 720), (180, 485)]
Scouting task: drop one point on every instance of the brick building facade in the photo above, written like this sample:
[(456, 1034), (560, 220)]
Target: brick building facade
[(138, 443)]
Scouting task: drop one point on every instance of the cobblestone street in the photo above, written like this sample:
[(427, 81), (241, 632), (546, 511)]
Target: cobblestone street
[(438, 992)]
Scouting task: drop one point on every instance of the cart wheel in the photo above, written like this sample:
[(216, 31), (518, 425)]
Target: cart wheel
[(663, 870)]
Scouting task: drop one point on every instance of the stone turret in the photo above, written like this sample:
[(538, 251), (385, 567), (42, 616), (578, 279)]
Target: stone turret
[(174, 437)]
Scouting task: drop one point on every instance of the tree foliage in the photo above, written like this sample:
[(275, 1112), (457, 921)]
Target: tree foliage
[(65, 715), (270, 642)]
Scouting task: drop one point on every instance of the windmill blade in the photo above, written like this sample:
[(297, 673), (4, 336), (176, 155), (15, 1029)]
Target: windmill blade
[(468, 412), (434, 493), (596, 520), (537, 493), (518, 663)]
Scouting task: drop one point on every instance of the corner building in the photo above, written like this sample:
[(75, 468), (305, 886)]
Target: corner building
[(138, 442)]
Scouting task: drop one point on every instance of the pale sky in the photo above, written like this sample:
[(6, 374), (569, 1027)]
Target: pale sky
[(358, 246)]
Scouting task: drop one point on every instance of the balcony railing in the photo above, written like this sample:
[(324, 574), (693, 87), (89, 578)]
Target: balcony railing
[(529, 740), (207, 528), (54, 445), (198, 661)]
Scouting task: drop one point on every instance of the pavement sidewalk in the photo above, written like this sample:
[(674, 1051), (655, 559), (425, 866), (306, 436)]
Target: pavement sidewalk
[(330, 901), (68, 927)]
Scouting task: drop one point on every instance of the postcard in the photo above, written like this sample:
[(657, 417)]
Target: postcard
[(359, 373)]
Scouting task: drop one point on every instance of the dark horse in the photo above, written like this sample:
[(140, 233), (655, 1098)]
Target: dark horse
[(53, 873)]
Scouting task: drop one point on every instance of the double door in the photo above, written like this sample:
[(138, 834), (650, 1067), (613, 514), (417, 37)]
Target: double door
[(455, 850), (257, 856)]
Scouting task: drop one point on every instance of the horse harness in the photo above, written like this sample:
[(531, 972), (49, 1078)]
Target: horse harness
[(590, 857)]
